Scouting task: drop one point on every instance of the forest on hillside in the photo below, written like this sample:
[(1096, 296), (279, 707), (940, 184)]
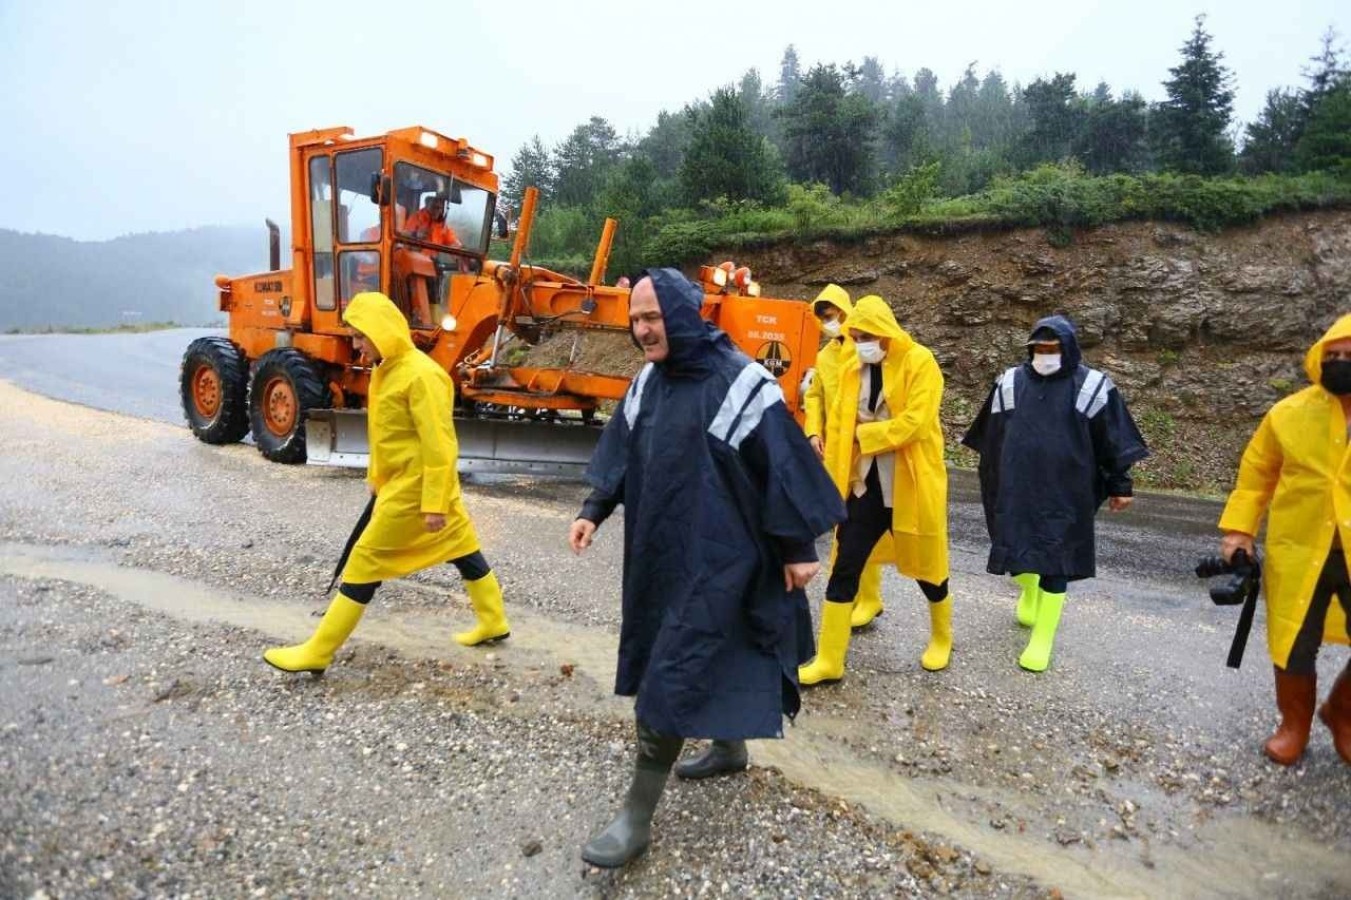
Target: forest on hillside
[(848, 149)]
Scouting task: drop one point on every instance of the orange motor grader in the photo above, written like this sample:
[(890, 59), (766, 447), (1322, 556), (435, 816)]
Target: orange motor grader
[(411, 213)]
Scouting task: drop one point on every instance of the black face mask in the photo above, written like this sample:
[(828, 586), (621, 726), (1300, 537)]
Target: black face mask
[(1337, 376)]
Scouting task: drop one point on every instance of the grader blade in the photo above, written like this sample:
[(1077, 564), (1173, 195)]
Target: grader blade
[(491, 446)]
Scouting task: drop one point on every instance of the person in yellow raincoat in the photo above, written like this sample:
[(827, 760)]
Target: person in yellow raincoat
[(884, 451), (419, 518), (1297, 470), (832, 308)]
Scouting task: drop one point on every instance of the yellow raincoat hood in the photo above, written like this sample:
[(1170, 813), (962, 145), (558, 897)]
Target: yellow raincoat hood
[(873, 316), (1296, 472), (1313, 360), (836, 296), (376, 316)]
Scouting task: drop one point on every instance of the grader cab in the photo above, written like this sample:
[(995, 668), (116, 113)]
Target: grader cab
[(411, 213)]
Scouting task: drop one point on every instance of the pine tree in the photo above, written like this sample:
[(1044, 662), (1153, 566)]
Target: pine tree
[(1113, 134), (829, 133), (1056, 114), (726, 158), (531, 166), (1324, 140), (790, 76), (1269, 144), (583, 161), (1194, 120)]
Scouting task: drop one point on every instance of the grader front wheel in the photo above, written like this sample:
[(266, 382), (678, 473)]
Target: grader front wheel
[(213, 382), (285, 387)]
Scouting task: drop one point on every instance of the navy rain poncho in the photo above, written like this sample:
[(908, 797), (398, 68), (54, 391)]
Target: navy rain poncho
[(720, 488), (1052, 449)]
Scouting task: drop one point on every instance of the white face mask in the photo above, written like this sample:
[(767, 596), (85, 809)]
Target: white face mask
[(1046, 363), (870, 352), (831, 327)]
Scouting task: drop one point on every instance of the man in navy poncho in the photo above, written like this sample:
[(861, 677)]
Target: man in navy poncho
[(1055, 440), (723, 501)]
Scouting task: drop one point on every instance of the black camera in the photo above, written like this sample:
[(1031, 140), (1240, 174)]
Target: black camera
[(1237, 578)]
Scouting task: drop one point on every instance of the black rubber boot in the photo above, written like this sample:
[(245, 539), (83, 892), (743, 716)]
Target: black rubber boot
[(718, 758), (628, 835)]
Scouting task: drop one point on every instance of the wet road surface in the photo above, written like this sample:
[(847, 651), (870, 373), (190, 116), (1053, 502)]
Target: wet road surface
[(1131, 768)]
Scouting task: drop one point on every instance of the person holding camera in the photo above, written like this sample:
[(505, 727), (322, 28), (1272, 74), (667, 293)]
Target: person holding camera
[(1055, 440), (1297, 471)]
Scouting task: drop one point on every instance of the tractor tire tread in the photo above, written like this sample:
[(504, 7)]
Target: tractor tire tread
[(231, 423), (311, 393)]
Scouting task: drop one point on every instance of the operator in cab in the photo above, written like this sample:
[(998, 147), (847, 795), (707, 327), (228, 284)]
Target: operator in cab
[(429, 223)]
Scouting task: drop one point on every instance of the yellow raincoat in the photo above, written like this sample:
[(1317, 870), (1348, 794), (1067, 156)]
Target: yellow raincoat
[(1297, 463), (825, 387), (912, 386), (413, 454), (826, 372)]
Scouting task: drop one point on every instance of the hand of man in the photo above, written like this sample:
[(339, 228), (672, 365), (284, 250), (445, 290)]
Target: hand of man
[(1234, 541), (1117, 504), (797, 575), (580, 534), (434, 521), (818, 446)]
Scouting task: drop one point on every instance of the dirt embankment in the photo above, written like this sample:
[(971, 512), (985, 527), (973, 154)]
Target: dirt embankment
[(1202, 333)]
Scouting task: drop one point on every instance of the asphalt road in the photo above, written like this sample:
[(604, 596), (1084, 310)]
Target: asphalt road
[(1157, 542), (134, 374)]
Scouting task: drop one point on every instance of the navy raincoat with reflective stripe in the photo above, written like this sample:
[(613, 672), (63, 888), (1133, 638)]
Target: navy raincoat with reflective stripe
[(1052, 448), (720, 488)]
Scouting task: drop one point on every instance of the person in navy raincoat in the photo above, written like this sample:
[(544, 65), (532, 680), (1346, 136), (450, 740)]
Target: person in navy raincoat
[(723, 501), (1055, 440)]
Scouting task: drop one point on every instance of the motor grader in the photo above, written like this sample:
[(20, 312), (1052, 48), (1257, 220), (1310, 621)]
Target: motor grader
[(411, 213)]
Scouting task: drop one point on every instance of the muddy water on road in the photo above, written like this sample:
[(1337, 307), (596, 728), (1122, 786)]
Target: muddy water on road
[(1231, 856)]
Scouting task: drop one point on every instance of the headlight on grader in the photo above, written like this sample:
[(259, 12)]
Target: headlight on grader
[(448, 322)]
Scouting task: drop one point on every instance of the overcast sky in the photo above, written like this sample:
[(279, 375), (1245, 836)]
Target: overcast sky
[(148, 115)]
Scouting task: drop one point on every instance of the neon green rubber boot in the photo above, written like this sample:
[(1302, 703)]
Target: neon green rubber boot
[(1027, 600), (1037, 656)]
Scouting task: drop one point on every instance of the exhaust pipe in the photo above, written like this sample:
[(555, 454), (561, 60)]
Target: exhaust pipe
[(273, 246)]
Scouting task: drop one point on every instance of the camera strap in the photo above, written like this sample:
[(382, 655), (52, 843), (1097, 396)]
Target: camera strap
[(1245, 621)]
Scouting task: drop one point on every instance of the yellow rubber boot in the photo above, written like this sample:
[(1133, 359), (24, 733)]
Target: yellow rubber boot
[(868, 603), (1027, 600), (1037, 656), (315, 654), (832, 647), (485, 595), (939, 651)]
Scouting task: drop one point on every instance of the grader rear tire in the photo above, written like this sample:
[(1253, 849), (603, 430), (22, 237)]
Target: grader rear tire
[(285, 387), (213, 384)]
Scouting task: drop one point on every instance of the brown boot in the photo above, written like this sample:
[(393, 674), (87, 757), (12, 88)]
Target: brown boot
[(1295, 698), (1336, 714)]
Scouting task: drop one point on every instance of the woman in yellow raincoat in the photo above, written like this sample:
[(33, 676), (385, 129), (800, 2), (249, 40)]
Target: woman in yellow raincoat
[(419, 518), (1297, 469), (832, 308), (884, 451)]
